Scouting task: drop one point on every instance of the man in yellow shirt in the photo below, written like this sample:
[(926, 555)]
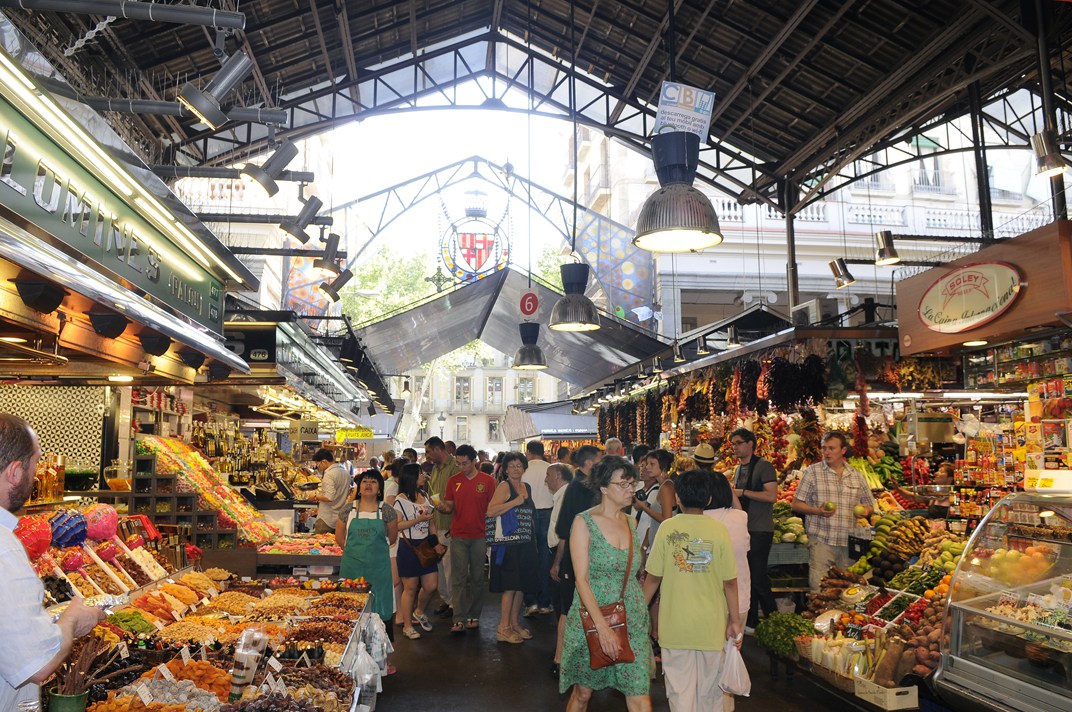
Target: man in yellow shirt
[(444, 467), (692, 561)]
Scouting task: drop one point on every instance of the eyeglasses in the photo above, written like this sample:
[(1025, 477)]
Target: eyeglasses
[(624, 484), (737, 443)]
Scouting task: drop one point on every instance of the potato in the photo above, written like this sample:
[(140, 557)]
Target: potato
[(922, 654), (921, 670), (934, 657), (934, 647), (935, 635)]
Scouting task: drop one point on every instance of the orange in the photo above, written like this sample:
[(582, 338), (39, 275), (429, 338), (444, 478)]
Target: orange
[(929, 594)]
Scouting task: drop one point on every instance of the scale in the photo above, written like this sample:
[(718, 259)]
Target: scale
[(1048, 481)]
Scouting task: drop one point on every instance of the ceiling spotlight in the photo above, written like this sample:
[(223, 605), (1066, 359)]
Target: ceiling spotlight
[(641, 373), (530, 356), (207, 104), (154, 344), (656, 365), (1048, 159), (13, 339), (885, 253), (678, 356), (295, 227), (677, 217), (193, 359), (39, 295), (732, 340), (701, 346), (265, 174), (406, 392), (108, 324), (975, 342), (328, 263), (332, 289), (120, 379), (371, 409), (842, 276), (218, 372), (574, 311)]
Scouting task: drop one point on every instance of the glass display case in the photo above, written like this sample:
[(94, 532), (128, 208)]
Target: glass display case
[(1007, 643)]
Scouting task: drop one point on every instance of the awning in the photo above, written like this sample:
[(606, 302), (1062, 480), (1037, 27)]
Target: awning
[(33, 254), (547, 420), (489, 310)]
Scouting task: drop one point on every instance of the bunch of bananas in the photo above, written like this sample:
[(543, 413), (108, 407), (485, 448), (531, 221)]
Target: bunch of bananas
[(905, 537)]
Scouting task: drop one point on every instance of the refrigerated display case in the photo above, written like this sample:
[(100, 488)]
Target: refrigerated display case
[(1007, 642)]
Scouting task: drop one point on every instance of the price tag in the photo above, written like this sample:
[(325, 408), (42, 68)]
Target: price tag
[(204, 652), (861, 607), (165, 672), (1009, 598), (159, 625), (281, 687), (185, 653), (854, 631), (144, 695), (171, 580), (305, 659), (245, 579), (193, 608), (316, 585), (124, 652), (273, 662), (269, 680), (233, 619), (212, 592)]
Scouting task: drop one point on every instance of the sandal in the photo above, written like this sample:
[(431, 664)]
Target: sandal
[(524, 633), (411, 633), (509, 636), (457, 628), (472, 624)]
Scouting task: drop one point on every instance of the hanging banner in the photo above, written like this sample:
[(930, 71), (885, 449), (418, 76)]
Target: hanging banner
[(684, 108), (346, 435), (969, 296)]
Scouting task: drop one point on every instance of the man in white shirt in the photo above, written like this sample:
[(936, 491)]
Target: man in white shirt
[(33, 646), (535, 476), (334, 492)]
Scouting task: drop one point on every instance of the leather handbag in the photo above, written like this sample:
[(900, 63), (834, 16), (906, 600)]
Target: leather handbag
[(614, 615), (425, 551)]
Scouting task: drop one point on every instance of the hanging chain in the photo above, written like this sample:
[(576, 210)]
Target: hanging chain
[(89, 35)]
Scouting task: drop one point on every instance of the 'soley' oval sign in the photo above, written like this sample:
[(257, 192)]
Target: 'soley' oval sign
[(969, 296)]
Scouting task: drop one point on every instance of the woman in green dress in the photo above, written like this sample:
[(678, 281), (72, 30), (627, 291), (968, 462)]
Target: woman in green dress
[(600, 553)]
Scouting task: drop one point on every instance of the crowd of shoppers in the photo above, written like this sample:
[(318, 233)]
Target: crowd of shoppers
[(684, 550)]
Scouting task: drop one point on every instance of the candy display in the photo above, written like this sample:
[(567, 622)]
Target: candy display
[(68, 528), (323, 544), (102, 522), (35, 533)]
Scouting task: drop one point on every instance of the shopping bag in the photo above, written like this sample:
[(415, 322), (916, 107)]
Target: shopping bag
[(733, 677)]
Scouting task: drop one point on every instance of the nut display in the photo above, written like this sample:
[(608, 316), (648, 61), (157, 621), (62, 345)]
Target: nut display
[(233, 603), (270, 703), (205, 676)]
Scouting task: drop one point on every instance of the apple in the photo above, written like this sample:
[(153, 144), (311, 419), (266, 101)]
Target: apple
[(859, 510), (829, 506)]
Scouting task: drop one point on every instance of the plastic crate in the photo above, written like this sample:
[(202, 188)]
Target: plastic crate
[(782, 554), (858, 546)]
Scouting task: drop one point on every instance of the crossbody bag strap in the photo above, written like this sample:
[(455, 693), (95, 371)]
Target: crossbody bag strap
[(628, 566)]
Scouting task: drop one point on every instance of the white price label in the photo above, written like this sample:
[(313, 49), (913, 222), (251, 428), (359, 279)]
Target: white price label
[(269, 680), (273, 662), (305, 659), (165, 672), (281, 687), (212, 592), (144, 695), (193, 608), (124, 652), (245, 579), (185, 653), (204, 652), (171, 580), (316, 585), (159, 625), (234, 619)]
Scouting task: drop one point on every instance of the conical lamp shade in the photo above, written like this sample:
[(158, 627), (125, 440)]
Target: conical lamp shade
[(574, 311), (530, 356), (842, 276)]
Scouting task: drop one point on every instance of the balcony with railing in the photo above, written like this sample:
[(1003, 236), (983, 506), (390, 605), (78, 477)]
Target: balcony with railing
[(933, 182), (874, 183), (876, 215)]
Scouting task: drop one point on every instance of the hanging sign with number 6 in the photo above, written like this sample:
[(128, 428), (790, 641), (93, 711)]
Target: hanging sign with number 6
[(530, 303)]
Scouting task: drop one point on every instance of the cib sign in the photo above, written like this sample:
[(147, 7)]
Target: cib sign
[(969, 296), (304, 430)]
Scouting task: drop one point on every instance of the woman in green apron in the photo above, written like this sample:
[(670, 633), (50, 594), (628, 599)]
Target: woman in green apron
[(365, 535)]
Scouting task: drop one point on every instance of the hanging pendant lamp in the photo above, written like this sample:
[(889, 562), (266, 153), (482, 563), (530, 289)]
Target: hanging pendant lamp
[(679, 357), (886, 252), (574, 311), (677, 217), (530, 356), (842, 276)]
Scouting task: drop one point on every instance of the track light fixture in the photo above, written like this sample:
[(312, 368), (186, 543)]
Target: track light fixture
[(677, 217), (371, 409), (39, 295), (678, 356), (530, 356), (732, 340), (154, 344), (331, 289), (406, 392), (295, 227), (218, 372), (842, 276), (108, 324), (885, 252), (656, 365), (193, 359), (207, 104), (1048, 159), (574, 311), (328, 264), (265, 174), (701, 346)]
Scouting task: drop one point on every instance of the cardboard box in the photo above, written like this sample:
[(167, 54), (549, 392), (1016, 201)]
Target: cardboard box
[(887, 698), (1053, 435)]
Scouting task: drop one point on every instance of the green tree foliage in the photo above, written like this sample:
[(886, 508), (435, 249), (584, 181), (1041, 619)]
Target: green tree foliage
[(395, 277)]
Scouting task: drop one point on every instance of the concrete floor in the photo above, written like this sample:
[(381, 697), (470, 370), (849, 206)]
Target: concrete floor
[(444, 673)]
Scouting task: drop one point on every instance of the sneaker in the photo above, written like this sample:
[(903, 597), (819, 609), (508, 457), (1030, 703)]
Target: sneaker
[(443, 611), (544, 610), (411, 633), (749, 630), (530, 611), (423, 622)]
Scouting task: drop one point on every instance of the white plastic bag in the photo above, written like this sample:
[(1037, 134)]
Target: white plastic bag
[(733, 677)]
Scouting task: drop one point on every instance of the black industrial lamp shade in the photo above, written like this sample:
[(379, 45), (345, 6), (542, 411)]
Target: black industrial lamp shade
[(39, 295), (574, 311), (266, 174), (207, 103), (154, 344), (218, 372), (530, 356), (677, 217), (193, 359), (328, 263), (332, 289), (296, 227), (108, 324)]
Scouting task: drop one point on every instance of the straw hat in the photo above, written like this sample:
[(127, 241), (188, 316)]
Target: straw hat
[(704, 454)]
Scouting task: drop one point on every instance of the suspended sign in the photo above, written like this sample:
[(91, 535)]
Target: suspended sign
[(304, 431), (969, 296), (343, 435), (530, 304), (684, 108)]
